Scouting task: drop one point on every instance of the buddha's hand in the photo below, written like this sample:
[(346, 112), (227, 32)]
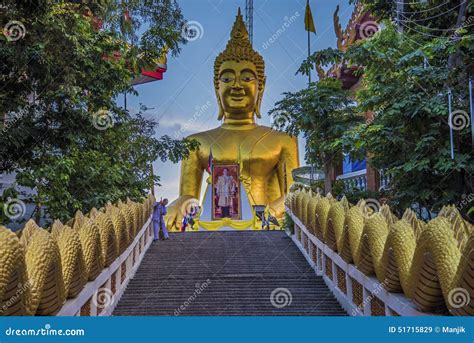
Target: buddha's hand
[(177, 210), (277, 207)]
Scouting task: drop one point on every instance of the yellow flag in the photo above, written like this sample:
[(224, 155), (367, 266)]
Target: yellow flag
[(308, 19)]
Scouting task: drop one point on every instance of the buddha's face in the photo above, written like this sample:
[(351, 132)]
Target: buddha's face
[(238, 89)]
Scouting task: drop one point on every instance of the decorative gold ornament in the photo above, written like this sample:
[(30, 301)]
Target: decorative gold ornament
[(39, 270)]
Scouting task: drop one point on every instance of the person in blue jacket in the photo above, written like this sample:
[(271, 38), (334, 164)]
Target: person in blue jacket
[(159, 211)]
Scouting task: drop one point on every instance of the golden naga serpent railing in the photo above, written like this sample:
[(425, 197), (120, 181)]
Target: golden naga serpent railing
[(41, 268), (432, 263)]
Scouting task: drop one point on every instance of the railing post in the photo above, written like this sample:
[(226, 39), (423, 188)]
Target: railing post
[(373, 179)]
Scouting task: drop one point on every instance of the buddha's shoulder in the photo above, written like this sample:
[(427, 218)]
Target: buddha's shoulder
[(260, 130), (276, 135), (205, 135)]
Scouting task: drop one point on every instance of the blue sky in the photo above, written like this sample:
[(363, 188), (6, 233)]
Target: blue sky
[(184, 101)]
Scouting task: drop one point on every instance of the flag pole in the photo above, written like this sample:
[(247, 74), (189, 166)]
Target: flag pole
[(309, 54), (450, 120), (472, 111), (309, 41)]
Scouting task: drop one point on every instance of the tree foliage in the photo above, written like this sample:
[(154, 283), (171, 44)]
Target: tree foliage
[(323, 112), (406, 86), (407, 69), (64, 134)]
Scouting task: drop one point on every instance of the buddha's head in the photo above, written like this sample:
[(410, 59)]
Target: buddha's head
[(239, 76)]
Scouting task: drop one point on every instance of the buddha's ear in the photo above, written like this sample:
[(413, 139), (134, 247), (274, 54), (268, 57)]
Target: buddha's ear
[(221, 109), (259, 99)]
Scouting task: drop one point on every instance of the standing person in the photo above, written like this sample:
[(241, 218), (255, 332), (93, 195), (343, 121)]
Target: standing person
[(159, 211), (188, 219), (185, 222)]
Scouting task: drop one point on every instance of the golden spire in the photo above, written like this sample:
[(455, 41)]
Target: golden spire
[(238, 47), (239, 37)]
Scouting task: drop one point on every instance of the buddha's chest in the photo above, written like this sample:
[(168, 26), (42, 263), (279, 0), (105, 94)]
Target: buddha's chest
[(259, 153)]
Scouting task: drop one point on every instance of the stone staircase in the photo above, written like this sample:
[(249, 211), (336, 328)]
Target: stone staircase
[(226, 273)]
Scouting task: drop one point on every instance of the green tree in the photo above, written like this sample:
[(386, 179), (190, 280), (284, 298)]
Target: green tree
[(406, 86), (63, 65), (408, 68), (323, 112)]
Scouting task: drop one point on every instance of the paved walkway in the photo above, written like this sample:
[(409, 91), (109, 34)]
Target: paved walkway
[(226, 273)]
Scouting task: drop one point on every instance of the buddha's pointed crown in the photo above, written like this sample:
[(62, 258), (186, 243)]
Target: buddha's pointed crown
[(238, 49), (239, 37)]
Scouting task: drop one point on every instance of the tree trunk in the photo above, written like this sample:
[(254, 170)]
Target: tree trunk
[(454, 58), (327, 177)]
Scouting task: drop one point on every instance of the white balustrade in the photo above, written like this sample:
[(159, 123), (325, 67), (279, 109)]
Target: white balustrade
[(358, 294), (100, 296), (354, 180)]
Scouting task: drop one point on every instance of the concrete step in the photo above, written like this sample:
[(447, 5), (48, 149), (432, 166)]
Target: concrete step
[(252, 273)]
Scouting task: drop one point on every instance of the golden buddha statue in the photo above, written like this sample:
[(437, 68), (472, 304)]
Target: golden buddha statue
[(266, 157)]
